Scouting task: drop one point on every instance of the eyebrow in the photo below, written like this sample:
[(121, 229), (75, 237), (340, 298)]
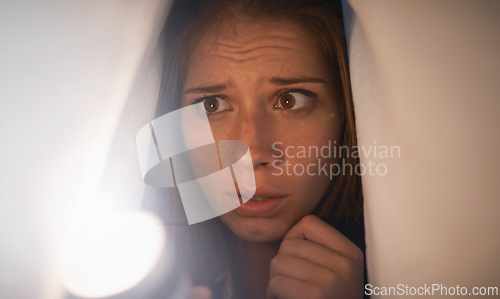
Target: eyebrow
[(206, 89), (273, 80), (290, 81)]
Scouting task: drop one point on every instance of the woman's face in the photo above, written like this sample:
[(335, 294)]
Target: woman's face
[(266, 83)]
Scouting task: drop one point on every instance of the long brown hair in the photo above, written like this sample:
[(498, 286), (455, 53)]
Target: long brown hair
[(324, 23)]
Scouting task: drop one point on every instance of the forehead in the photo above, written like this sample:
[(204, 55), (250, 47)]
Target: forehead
[(262, 47)]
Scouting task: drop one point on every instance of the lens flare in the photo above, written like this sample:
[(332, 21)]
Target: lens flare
[(112, 255)]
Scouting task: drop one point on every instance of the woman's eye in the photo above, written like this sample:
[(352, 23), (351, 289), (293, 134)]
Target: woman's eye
[(293, 100), (214, 104)]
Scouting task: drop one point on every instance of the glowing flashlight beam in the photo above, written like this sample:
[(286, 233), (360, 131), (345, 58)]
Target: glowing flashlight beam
[(112, 255)]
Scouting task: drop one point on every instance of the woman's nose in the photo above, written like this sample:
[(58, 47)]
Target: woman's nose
[(257, 130)]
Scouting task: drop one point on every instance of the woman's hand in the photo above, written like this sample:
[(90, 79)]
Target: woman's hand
[(316, 261)]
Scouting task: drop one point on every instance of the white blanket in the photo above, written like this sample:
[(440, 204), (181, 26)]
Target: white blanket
[(425, 78)]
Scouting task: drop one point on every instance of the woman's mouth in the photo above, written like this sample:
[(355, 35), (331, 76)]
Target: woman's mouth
[(260, 198), (261, 206)]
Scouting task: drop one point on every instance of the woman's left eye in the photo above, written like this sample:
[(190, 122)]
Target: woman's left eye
[(293, 100)]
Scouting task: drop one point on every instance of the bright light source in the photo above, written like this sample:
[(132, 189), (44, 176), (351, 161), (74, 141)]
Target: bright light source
[(112, 255)]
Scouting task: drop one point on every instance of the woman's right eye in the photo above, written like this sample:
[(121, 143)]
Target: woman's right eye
[(214, 104)]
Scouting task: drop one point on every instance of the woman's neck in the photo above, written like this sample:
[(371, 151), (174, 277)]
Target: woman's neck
[(253, 268)]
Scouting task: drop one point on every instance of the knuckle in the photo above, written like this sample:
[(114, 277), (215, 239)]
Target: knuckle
[(287, 242), (344, 266), (351, 267), (275, 261), (330, 277), (309, 219), (274, 281), (358, 254), (289, 245)]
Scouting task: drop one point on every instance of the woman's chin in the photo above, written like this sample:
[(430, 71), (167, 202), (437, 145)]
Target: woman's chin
[(258, 236), (254, 229)]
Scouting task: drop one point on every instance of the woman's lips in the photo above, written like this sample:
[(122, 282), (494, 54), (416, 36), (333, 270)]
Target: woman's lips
[(261, 206)]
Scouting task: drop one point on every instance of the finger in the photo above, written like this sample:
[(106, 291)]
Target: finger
[(201, 292), (282, 287), (303, 270), (321, 255), (316, 230)]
